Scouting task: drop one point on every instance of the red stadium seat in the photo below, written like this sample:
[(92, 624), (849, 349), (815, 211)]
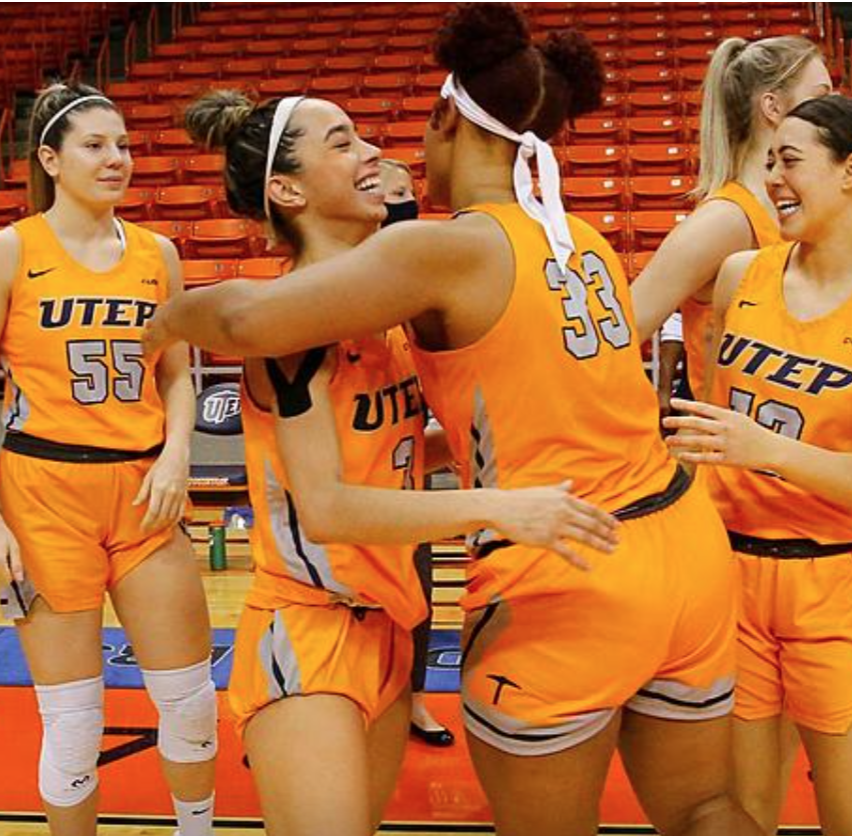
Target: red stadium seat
[(221, 238), (126, 93), (404, 133), (362, 45), (156, 171), (417, 107), (651, 78), (396, 63), (175, 231), (653, 55), (596, 194), (375, 111), (201, 272), (152, 70), (250, 70), (596, 131), (660, 192), (304, 66), (140, 143), (173, 142), (203, 169), (653, 103), (185, 203), (293, 85), (136, 205), (342, 64), (653, 129), (149, 117), (675, 160), (206, 70), (649, 228), (334, 86), (386, 84), (170, 92), (612, 225), (592, 160)]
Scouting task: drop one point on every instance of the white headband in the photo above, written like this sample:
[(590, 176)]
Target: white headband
[(549, 212), (70, 106), (279, 124)]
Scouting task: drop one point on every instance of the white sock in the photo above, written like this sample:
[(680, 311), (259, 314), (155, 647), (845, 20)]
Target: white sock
[(194, 818)]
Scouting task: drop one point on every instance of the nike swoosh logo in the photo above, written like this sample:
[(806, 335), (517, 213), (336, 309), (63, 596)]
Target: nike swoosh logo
[(35, 274), (744, 303), (201, 812)]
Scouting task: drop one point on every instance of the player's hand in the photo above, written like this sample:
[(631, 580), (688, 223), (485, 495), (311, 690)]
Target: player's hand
[(708, 434), (552, 518), (164, 489), (156, 337), (11, 567)]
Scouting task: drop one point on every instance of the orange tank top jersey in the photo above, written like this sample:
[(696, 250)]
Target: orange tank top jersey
[(71, 347), (796, 378), (379, 416), (698, 316), (556, 389)]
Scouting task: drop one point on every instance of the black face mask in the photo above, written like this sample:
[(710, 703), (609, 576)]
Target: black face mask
[(405, 211)]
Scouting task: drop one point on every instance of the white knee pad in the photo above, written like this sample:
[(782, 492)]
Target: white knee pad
[(72, 716), (186, 700)]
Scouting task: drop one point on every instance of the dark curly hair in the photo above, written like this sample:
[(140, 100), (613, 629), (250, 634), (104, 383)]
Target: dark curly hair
[(526, 85)]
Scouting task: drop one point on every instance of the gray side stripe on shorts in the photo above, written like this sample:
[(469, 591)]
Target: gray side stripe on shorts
[(279, 661), (510, 735), (672, 700)]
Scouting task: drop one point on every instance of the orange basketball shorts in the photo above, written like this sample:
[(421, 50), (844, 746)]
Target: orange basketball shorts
[(78, 531), (794, 650), (300, 649), (651, 628)]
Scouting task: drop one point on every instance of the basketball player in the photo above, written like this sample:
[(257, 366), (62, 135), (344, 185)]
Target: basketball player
[(781, 441), (95, 461)]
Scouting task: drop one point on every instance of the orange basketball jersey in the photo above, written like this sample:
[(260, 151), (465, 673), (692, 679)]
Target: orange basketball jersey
[(556, 389), (71, 348), (795, 378), (379, 416), (698, 316)]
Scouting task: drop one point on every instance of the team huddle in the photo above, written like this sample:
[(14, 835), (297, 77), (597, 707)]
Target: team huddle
[(710, 570)]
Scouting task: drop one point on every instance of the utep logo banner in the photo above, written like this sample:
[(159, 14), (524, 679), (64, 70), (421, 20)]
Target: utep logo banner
[(218, 410)]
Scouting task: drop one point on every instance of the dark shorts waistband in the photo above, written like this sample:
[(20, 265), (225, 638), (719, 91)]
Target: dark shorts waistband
[(654, 502), (792, 549), (678, 486), (40, 448)]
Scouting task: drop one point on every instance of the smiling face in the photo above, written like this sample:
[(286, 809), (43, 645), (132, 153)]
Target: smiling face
[(338, 177), (807, 184), (93, 164)]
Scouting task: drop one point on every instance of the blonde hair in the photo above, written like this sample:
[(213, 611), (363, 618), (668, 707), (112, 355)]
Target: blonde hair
[(739, 71), (51, 100), (390, 163)]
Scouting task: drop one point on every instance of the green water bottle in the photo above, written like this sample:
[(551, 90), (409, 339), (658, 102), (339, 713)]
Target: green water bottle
[(216, 543)]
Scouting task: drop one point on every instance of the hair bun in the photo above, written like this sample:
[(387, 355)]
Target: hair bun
[(476, 36), (215, 118), (572, 56)]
